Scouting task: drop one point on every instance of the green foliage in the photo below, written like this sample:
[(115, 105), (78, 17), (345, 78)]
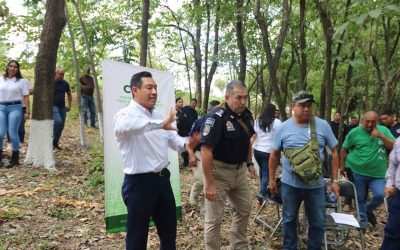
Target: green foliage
[(114, 26), (73, 113), (95, 179), (60, 212), (11, 214)]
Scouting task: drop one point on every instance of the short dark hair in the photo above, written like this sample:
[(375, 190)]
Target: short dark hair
[(136, 79), (193, 99), (178, 99), (388, 112)]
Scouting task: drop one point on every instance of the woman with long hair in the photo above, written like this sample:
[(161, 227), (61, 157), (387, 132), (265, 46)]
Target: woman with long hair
[(265, 127), (13, 91)]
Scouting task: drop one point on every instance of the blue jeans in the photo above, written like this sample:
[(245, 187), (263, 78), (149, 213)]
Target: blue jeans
[(262, 159), (377, 186), (59, 115), (314, 203), (88, 103), (10, 119), (391, 241)]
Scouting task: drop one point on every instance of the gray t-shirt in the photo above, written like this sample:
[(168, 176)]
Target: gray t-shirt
[(291, 135)]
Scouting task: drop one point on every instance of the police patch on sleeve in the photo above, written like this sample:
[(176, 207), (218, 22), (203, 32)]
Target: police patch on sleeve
[(208, 125), (210, 121), (206, 130)]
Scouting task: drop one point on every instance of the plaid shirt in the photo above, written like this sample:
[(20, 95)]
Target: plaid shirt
[(393, 172)]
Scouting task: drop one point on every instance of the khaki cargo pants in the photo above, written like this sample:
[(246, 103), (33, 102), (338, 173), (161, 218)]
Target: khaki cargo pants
[(231, 181), (198, 184)]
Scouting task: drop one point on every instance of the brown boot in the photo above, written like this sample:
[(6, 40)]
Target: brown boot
[(14, 159)]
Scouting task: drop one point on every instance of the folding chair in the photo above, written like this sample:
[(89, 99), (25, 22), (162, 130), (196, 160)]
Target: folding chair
[(260, 218), (336, 234)]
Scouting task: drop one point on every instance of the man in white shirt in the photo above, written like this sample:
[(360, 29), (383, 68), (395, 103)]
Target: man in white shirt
[(143, 137)]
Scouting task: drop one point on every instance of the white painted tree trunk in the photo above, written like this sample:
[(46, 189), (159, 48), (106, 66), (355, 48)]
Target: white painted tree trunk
[(78, 84), (40, 149)]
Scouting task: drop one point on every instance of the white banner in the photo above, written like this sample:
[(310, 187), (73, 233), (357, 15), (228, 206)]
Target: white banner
[(117, 95)]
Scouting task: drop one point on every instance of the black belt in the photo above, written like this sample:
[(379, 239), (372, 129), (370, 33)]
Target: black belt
[(10, 103), (163, 172)]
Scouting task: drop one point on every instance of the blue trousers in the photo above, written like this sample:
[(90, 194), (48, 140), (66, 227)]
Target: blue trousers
[(391, 241), (377, 186), (149, 195), (88, 104), (314, 203), (10, 119), (59, 115), (262, 159)]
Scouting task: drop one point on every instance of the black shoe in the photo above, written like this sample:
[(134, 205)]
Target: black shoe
[(14, 159), (372, 219), (55, 146)]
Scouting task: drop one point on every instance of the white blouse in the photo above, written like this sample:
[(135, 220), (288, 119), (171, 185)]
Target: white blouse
[(13, 89), (264, 139)]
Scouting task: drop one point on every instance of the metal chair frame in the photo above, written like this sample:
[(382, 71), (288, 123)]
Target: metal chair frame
[(341, 231), (270, 225)]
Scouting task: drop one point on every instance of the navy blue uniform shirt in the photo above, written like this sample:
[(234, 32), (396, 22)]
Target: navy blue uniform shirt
[(225, 135)]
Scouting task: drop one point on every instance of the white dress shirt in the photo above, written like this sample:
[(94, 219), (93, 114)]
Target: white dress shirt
[(142, 140), (13, 89)]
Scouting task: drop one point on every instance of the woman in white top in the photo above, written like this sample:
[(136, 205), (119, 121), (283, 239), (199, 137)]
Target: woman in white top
[(13, 91), (265, 127)]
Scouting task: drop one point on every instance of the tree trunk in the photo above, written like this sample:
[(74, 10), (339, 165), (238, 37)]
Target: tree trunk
[(88, 46), (345, 101), (78, 84), (214, 64), (327, 85), (273, 60), (240, 40), (206, 88), (40, 147), (197, 54), (145, 32), (303, 46), (187, 67), (389, 84)]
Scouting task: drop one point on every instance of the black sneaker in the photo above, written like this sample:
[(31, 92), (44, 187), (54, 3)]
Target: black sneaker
[(55, 146), (372, 219)]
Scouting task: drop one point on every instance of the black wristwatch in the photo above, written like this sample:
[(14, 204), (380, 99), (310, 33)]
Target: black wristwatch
[(249, 163)]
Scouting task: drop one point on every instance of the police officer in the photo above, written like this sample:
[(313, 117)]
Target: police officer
[(226, 157)]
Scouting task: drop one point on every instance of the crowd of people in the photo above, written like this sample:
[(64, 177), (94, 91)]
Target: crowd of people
[(221, 144), (15, 107)]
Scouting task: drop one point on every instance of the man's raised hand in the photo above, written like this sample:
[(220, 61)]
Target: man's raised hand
[(169, 119)]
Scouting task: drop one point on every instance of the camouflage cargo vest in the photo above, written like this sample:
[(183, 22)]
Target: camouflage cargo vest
[(305, 161)]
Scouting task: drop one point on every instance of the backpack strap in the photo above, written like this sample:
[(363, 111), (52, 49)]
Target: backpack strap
[(314, 137)]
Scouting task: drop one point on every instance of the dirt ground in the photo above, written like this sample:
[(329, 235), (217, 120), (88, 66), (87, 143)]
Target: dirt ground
[(64, 209)]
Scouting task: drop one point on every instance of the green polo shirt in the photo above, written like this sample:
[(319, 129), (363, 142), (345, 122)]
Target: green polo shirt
[(365, 155)]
